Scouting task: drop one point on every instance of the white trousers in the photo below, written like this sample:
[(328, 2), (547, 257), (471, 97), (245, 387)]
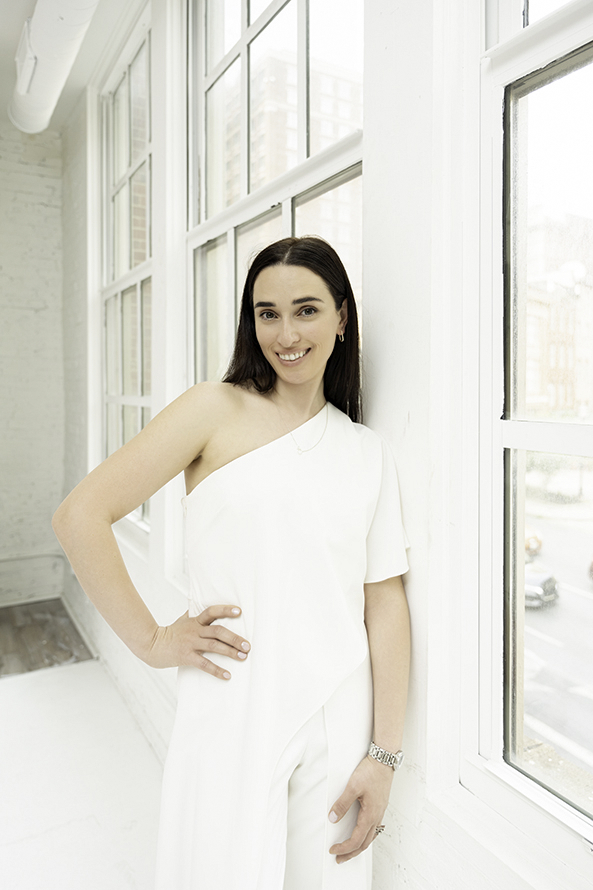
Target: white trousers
[(298, 831)]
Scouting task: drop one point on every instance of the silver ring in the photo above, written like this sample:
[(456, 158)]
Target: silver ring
[(379, 829)]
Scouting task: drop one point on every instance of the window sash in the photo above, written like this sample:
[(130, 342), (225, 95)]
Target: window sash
[(133, 181), (201, 82)]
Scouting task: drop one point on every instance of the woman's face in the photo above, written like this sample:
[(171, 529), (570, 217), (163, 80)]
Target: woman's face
[(296, 322)]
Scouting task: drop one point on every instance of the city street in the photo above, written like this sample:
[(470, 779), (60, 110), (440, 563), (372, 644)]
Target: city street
[(558, 649)]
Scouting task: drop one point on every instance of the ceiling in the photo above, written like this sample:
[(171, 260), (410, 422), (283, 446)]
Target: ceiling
[(13, 14)]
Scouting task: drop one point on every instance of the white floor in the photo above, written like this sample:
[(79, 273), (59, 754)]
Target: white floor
[(79, 784)]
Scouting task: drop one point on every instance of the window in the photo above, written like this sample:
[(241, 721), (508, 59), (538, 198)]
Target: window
[(549, 428), (534, 741), (127, 282), (267, 160)]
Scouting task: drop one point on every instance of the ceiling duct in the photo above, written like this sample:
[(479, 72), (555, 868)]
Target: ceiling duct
[(48, 47)]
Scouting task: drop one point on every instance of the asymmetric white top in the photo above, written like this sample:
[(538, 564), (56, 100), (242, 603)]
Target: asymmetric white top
[(291, 538)]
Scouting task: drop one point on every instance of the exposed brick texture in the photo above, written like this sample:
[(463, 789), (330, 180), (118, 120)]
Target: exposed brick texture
[(31, 368)]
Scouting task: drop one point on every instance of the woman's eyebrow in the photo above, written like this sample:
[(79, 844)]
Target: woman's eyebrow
[(266, 305)]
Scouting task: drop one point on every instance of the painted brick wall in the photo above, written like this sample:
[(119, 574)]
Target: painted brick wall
[(31, 375)]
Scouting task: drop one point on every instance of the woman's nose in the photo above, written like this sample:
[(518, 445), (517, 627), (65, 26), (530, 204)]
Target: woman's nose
[(288, 333)]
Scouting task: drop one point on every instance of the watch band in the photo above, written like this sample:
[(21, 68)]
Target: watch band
[(386, 757)]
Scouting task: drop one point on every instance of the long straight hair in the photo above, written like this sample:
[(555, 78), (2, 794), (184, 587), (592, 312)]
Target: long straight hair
[(249, 367)]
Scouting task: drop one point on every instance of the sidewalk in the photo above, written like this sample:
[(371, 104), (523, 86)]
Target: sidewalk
[(79, 784)]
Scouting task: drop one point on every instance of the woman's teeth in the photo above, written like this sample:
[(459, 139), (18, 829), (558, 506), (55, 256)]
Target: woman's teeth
[(293, 356)]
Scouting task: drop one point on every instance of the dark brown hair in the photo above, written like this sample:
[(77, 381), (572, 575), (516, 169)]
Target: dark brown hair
[(249, 367)]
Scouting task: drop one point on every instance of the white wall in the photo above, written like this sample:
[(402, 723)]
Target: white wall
[(31, 395)]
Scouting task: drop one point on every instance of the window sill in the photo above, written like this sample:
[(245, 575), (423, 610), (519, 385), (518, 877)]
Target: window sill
[(544, 839)]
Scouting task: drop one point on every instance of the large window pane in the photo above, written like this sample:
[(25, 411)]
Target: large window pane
[(146, 295), (537, 9), (120, 135), (139, 215), (551, 221), (336, 215), (251, 238), (131, 419), (121, 232), (223, 140), (139, 104), (112, 424), (112, 352), (129, 312), (256, 7), (273, 98), (215, 316), (549, 656), (335, 70), (223, 28)]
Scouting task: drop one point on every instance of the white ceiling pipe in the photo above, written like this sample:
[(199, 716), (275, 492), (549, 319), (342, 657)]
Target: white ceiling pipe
[(49, 45)]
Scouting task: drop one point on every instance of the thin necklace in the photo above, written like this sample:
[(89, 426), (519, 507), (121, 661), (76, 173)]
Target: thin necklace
[(298, 447)]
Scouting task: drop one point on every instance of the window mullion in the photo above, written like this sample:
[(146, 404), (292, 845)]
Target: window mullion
[(302, 80), (547, 436)]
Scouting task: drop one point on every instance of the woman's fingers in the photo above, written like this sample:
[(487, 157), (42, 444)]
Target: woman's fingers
[(219, 632), (212, 644), (213, 612), (371, 834), (204, 664)]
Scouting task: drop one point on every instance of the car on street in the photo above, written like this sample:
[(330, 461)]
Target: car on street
[(541, 587)]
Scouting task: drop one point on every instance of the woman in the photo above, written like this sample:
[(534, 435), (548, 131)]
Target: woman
[(294, 652)]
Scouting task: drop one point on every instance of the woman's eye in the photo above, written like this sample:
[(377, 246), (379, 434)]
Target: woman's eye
[(266, 315), (309, 310)]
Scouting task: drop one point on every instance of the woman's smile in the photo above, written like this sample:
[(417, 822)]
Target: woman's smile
[(292, 358)]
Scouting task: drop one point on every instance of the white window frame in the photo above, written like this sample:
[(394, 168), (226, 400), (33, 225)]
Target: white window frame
[(537, 827)]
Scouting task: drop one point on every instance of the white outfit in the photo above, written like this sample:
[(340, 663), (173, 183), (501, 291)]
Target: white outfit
[(291, 538)]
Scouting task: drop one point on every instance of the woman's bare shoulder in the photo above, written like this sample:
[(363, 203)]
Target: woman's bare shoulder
[(212, 403)]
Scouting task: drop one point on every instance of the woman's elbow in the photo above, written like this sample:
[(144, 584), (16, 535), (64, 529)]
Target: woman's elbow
[(62, 520), (71, 518)]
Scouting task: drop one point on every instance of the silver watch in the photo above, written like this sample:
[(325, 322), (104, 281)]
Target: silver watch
[(386, 757)]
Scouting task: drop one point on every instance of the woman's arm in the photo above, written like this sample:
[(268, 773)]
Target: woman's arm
[(388, 628), (82, 523)]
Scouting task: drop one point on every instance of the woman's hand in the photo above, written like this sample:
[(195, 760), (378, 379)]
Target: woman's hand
[(370, 785), (185, 641)]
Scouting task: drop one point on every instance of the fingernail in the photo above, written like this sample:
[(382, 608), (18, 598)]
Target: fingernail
[(333, 817), (245, 646), (236, 611), (226, 675), (241, 654)]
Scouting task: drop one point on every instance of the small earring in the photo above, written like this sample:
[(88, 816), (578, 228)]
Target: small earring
[(341, 337)]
